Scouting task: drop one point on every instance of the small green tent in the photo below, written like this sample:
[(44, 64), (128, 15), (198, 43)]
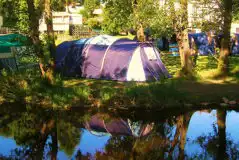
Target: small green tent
[(7, 57)]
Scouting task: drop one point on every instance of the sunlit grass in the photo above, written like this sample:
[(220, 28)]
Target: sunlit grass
[(206, 66), (30, 88)]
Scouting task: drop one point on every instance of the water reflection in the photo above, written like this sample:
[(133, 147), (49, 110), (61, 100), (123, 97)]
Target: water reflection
[(46, 134)]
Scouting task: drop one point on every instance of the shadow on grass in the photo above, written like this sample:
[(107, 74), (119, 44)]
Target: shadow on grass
[(168, 93), (30, 88)]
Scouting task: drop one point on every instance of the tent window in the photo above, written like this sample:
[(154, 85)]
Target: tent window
[(149, 51)]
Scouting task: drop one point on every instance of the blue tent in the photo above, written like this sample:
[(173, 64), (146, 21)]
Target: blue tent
[(235, 46), (202, 44)]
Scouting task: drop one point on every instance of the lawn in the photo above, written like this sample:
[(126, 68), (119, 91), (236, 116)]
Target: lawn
[(30, 88)]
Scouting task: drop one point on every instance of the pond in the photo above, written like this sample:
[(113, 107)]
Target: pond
[(27, 133)]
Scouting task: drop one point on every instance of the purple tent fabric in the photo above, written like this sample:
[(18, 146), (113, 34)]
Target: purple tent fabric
[(112, 126), (93, 60), (96, 123), (115, 126), (117, 59), (106, 57), (62, 51), (73, 61), (118, 126), (151, 67)]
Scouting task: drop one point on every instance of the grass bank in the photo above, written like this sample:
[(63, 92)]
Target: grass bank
[(29, 88)]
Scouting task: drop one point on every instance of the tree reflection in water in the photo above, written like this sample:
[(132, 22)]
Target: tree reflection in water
[(42, 133), (219, 145), (38, 132)]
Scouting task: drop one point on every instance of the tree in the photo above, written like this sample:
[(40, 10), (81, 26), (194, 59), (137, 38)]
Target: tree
[(89, 7), (24, 15), (143, 15), (160, 21), (180, 26), (221, 122), (31, 129), (114, 22), (221, 13), (235, 10), (135, 15), (34, 13), (8, 12), (62, 5), (223, 64), (49, 26), (50, 41)]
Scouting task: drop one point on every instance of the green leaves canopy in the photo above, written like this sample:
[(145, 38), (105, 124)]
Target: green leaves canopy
[(125, 14), (117, 16), (15, 15)]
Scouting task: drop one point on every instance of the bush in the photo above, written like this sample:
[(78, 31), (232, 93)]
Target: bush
[(94, 23)]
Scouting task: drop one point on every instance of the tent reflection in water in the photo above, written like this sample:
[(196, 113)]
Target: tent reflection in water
[(110, 58), (100, 126)]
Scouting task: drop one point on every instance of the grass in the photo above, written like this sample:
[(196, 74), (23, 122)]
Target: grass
[(29, 88), (206, 66)]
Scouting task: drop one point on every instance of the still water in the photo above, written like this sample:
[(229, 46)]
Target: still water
[(86, 134)]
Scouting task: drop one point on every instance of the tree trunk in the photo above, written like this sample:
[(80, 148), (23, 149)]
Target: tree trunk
[(221, 122), (183, 133), (34, 27), (223, 64), (183, 43), (140, 34), (67, 6), (49, 25), (54, 145), (139, 26), (180, 135), (50, 41), (34, 32)]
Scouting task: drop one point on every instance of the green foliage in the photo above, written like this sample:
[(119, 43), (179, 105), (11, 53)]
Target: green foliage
[(94, 23), (117, 16), (15, 14), (161, 24), (23, 19), (28, 87), (85, 14), (26, 56), (145, 12), (212, 9), (90, 6), (9, 12), (235, 10), (58, 5), (68, 136), (47, 41)]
